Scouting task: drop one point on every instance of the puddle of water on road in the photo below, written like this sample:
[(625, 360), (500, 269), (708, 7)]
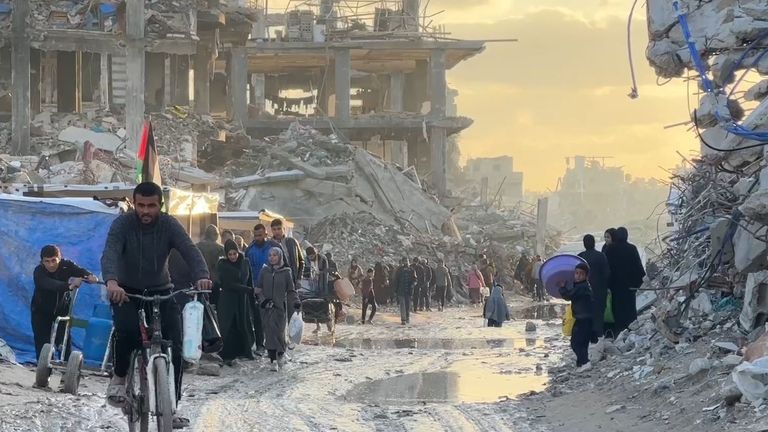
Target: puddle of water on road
[(543, 312), (433, 343), (465, 381)]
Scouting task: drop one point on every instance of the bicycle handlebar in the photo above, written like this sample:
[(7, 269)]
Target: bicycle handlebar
[(159, 298)]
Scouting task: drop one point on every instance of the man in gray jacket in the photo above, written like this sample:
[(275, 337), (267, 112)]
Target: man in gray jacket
[(442, 282), (135, 261)]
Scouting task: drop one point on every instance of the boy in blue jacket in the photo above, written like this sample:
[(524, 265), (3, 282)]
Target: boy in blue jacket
[(580, 294)]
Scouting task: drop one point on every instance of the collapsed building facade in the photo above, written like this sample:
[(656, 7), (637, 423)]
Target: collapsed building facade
[(328, 113), (377, 80)]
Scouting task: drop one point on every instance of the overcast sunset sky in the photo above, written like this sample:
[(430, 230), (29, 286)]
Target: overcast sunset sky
[(561, 90)]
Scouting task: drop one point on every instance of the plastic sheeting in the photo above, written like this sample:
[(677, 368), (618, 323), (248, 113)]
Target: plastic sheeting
[(78, 227)]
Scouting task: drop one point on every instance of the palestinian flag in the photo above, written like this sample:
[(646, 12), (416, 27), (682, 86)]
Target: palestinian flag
[(147, 165)]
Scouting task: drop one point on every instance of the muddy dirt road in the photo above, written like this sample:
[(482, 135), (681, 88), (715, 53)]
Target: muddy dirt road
[(445, 371)]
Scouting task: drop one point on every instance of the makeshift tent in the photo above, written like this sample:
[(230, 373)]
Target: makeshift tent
[(78, 226)]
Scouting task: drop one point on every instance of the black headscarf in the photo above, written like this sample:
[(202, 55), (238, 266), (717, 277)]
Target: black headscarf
[(230, 245), (612, 234), (621, 235)]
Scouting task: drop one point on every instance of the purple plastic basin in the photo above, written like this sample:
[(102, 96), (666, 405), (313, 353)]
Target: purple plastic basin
[(557, 269)]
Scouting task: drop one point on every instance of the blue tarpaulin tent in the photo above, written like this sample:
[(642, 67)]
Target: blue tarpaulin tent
[(78, 226)]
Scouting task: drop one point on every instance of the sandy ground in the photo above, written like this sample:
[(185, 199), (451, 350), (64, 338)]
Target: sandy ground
[(445, 371)]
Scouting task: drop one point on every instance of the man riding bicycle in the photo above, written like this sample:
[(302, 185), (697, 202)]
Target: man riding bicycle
[(135, 261)]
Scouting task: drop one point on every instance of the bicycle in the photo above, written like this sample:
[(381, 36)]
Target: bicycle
[(150, 388)]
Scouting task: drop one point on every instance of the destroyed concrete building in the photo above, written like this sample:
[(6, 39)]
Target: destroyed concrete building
[(495, 179), (313, 111), (592, 196), (377, 80)]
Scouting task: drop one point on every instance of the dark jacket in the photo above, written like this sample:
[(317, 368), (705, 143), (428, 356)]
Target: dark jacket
[(293, 256), (258, 255), (421, 275), (442, 276), (405, 281), (51, 289), (487, 273), (212, 251), (599, 271), (381, 284), (332, 266), (626, 273), (580, 295), (626, 266), (322, 274), (136, 255), (181, 276)]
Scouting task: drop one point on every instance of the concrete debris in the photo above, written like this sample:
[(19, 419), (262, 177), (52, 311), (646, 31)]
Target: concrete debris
[(752, 379), (699, 365), (101, 140), (757, 349), (614, 408), (164, 18)]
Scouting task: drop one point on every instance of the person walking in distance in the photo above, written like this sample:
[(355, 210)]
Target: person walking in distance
[(475, 282), (369, 295), (538, 288), (405, 281), (443, 283), (355, 274), (421, 278), (292, 254), (212, 250)]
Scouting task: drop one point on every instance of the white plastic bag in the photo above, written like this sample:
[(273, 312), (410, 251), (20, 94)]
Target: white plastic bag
[(295, 330), (192, 345), (752, 379)]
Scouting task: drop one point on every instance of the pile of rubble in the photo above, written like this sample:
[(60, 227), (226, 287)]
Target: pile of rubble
[(59, 141), (367, 238), (700, 352), (298, 144), (697, 383)]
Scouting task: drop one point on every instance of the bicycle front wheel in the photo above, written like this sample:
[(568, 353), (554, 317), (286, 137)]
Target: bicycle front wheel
[(137, 392), (164, 408)]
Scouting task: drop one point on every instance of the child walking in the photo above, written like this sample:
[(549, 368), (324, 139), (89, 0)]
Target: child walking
[(580, 295)]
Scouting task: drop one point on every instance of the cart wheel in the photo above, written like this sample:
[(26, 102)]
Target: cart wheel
[(72, 374), (43, 371)]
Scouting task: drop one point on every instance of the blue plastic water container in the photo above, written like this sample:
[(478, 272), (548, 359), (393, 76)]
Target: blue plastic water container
[(97, 335), (557, 269)]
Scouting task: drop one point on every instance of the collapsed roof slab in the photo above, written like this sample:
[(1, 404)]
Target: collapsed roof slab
[(368, 56), (106, 43), (395, 127)]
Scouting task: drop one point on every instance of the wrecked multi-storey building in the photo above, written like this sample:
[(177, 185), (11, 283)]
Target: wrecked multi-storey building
[(375, 78)]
